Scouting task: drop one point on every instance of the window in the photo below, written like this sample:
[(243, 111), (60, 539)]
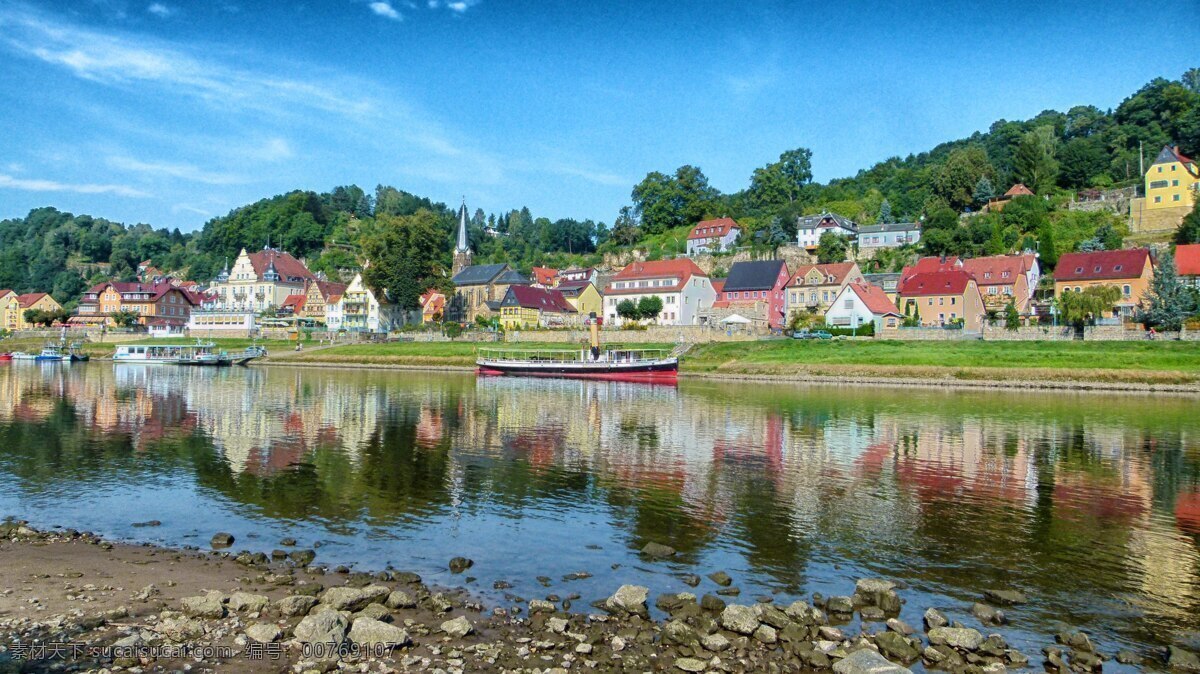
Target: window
[(1118, 267), (1127, 291), (1157, 184), (1174, 183), (1158, 200), (1175, 197), (953, 301), (849, 303), (1079, 270), (941, 301)]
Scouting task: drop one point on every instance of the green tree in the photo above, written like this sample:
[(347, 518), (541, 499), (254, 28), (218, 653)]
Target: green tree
[(124, 318), (1012, 318), (628, 310), (662, 202), (405, 255), (1034, 160), (960, 175), (984, 191), (1047, 251), (452, 330), (885, 213), (1169, 302), (831, 247), (782, 182), (1084, 307), (649, 307), (1189, 229)]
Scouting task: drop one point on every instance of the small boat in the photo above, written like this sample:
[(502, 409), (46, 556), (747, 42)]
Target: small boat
[(76, 355), (21, 355), (200, 354), (614, 364), (6, 357), (52, 353)]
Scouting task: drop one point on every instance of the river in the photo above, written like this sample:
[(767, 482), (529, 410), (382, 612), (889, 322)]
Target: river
[(1088, 503)]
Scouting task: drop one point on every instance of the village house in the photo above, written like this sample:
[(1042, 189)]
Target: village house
[(753, 291), (1171, 181), (941, 298), (258, 281), (161, 304), (583, 296), (809, 228), (1129, 270), (361, 310), (814, 286), (997, 204), (544, 277), (529, 307), (1004, 278), (319, 296), (685, 290), (14, 306), (859, 304), (433, 306), (482, 287), (888, 281), (712, 236), (588, 274), (1187, 263), (293, 305), (872, 238)]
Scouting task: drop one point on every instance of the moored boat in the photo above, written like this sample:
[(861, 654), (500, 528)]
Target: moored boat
[(21, 355), (6, 357), (52, 353), (200, 354), (614, 364)]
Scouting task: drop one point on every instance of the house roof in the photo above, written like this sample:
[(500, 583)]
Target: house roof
[(834, 272), (289, 268), (544, 275), (155, 290), (433, 301), (757, 275), (827, 219), (296, 302), (329, 288), (882, 279), (874, 299), (996, 270), (512, 277), (950, 282), (1019, 190), (586, 271), (1100, 265), (682, 270), (708, 229), (572, 288), (29, 299), (5, 292), (1187, 260), (542, 299), (889, 227), (718, 285), (478, 274), (1169, 155)]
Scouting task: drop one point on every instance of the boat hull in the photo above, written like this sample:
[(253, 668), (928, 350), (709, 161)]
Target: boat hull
[(666, 373)]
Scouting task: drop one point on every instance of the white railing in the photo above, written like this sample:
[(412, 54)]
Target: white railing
[(576, 356)]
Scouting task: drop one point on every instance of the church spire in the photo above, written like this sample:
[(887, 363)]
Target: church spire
[(462, 246)]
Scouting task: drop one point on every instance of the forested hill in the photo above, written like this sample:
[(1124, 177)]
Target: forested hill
[(1055, 153)]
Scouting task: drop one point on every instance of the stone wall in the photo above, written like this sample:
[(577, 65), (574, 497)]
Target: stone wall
[(1143, 219), (690, 334), (794, 256), (1044, 333), (927, 334)]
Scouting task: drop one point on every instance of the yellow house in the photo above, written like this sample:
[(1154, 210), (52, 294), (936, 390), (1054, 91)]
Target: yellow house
[(526, 307), (1171, 181), (6, 297), (14, 308), (943, 298), (1129, 270), (582, 295)]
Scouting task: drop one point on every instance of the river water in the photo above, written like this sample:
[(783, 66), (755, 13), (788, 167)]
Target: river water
[(1088, 503)]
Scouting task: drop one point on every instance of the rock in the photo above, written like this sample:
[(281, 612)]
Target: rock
[(958, 638), (721, 578), (1076, 641), (287, 542), (715, 642), (302, 557), (406, 577), (896, 646), (376, 593), (222, 540), (740, 619), (460, 564), (458, 628), (180, 629), (557, 625), (376, 612), (934, 618), (629, 599), (994, 668), (207, 606), (691, 664), (345, 599), (679, 632), (658, 550), (766, 634), (617, 644), (829, 633), (772, 616), (326, 627), (872, 591), (1005, 597), (244, 601), (150, 523), (710, 602), (540, 606), (295, 605), (988, 615), (369, 632), (690, 579), (872, 614), (898, 625), (840, 605), (1128, 657), (867, 661), (264, 633), (400, 599), (1181, 660)]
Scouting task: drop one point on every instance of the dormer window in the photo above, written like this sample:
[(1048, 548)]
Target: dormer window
[(1096, 269), (1079, 270), (1118, 267)]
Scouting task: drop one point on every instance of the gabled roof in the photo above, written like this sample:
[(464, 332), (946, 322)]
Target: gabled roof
[(29, 299), (542, 299), (329, 288), (544, 275), (758, 275), (1019, 190), (433, 301), (296, 302), (834, 272), (478, 274), (586, 271), (572, 288), (682, 270), (1101, 265), (889, 227), (718, 285), (512, 277), (952, 282), (1187, 260), (827, 219), (873, 298), (709, 229), (1169, 155), (290, 269), (155, 290), (5, 292), (996, 270)]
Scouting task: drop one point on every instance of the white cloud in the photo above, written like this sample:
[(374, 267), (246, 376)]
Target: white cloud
[(386, 10), (159, 9), (186, 208), (37, 185), (181, 171), (458, 6), (274, 149)]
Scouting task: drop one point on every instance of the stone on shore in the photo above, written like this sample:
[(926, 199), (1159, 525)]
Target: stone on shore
[(345, 599), (210, 605), (934, 618), (245, 601), (222, 540), (629, 599), (371, 632), (264, 632), (721, 578), (988, 615), (740, 619), (460, 564), (1005, 597), (459, 627), (867, 661), (400, 599), (691, 664), (840, 605), (896, 646), (302, 557), (295, 605), (658, 550), (326, 627), (715, 642), (1182, 661), (958, 638)]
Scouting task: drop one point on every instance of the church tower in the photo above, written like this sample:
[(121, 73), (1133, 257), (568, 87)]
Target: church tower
[(462, 249)]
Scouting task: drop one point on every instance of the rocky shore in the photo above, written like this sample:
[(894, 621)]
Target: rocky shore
[(74, 602)]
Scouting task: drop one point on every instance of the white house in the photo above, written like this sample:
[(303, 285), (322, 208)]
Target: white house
[(859, 304), (258, 281), (359, 311), (713, 236), (685, 290), (809, 228), (886, 235)]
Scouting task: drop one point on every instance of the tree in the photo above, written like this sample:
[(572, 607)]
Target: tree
[(782, 182), (1169, 302), (959, 176), (124, 318), (405, 255), (984, 191), (628, 310), (831, 248), (45, 318), (649, 307), (1012, 318), (1047, 252), (453, 330), (1034, 161), (625, 230), (885, 213), (1084, 307), (662, 202), (1189, 229)]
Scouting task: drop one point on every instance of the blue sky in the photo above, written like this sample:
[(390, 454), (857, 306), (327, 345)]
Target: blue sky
[(172, 112)]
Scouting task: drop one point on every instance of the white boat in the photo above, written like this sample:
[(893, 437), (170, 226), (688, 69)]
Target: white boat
[(163, 354), (21, 355)]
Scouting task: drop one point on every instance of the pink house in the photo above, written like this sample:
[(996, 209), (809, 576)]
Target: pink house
[(756, 287)]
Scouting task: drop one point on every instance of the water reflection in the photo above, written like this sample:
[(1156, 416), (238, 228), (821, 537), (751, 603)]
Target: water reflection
[(1089, 503)]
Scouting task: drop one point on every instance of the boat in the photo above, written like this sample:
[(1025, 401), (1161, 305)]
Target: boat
[(52, 353), (200, 354), (5, 357), (75, 354), (21, 355), (614, 364)]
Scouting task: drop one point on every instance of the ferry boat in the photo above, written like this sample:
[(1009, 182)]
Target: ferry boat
[(202, 354), (52, 353), (614, 364)]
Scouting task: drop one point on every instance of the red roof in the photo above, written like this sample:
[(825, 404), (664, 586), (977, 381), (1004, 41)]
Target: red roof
[(155, 290), (681, 270), (329, 289), (544, 275), (29, 299), (1104, 264), (837, 270), (710, 229), (287, 266), (1187, 260), (1019, 190), (718, 285), (542, 299), (874, 298), (296, 302), (4, 292), (951, 282), (433, 302), (995, 270)]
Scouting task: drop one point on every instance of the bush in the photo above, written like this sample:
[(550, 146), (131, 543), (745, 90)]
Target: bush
[(864, 330)]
